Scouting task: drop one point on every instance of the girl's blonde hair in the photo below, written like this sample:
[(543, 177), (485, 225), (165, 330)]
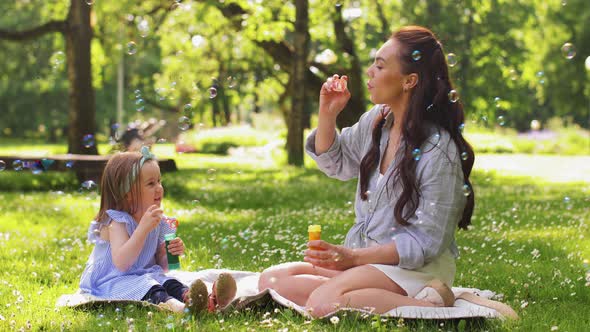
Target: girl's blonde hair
[(121, 176)]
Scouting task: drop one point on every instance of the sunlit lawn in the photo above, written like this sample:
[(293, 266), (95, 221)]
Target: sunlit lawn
[(528, 243)]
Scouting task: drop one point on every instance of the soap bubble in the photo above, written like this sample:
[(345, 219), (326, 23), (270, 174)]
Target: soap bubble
[(464, 155), (69, 164), (131, 48), (88, 141), (36, 168), (212, 92), (501, 120), (89, 2), (326, 57), (451, 59), (144, 28), (198, 41), (184, 123), (497, 101), (466, 190), (417, 154), (568, 50), (17, 165), (140, 105), (513, 74), (416, 55), (453, 96), (587, 63), (211, 174), (541, 77), (88, 186), (461, 128), (2, 165), (568, 202), (188, 110), (231, 82), (535, 125), (57, 59)]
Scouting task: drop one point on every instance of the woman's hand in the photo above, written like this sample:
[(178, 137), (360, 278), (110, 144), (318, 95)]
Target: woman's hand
[(176, 246), (330, 256), (332, 101), (151, 218)]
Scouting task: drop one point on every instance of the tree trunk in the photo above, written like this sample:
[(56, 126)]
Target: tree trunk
[(356, 105), (78, 34), (301, 46), (82, 112), (466, 62)]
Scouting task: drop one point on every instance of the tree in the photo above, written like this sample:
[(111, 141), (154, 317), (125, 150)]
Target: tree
[(301, 45), (77, 31)]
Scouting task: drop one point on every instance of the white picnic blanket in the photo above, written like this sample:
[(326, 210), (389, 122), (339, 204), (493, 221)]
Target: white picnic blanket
[(248, 294)]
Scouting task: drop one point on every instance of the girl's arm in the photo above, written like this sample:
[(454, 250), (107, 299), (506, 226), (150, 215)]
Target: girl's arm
[(125, 249), (161, 257)]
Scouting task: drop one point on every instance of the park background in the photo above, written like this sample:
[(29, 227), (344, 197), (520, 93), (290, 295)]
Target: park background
[(238, 82)]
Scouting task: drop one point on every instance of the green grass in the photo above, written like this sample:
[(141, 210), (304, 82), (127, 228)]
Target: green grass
[(527, 243), (562, 140), (220, 140)]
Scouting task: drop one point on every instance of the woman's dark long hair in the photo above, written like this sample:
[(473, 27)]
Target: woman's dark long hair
[(429, 104)]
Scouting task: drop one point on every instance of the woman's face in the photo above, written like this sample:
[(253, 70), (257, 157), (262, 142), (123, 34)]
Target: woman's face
[(385, 78)]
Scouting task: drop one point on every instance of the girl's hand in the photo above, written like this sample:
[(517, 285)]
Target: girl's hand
[(176, 246), (334, 96), (334, 257), (151, 218)]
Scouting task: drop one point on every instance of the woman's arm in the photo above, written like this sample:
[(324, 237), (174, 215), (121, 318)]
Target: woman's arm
[(330, 105), (337, 257)]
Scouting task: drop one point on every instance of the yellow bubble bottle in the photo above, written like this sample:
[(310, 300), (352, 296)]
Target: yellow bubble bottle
[(315, 233)]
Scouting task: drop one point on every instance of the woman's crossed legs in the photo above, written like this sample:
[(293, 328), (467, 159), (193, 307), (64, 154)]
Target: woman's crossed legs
[(324, 291)]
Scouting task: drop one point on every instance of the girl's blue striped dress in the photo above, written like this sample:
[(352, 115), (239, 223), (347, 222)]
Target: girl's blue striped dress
[(102, 279)]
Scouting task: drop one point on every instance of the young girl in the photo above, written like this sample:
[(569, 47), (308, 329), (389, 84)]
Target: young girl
[(129, 259)]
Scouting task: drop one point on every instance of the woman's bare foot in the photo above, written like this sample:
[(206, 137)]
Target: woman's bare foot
[(223, 292), (197, 297), (437, 293)]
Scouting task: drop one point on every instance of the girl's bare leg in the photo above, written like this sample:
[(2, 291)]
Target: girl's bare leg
[(361, 287), (295, 281)]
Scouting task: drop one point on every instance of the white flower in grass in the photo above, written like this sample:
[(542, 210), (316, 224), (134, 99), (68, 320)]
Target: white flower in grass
[(334, 320)]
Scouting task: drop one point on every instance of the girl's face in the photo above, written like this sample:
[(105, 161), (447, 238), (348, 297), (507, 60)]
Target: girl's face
[(152, 191), (385, 77)]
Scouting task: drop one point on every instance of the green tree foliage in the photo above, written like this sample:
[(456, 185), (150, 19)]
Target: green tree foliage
[(183, 48)]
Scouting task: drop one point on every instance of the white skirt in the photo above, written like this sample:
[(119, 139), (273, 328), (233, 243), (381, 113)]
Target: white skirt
[(413, 281)]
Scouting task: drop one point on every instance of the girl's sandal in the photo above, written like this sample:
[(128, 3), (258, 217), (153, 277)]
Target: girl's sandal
[(223, 292)]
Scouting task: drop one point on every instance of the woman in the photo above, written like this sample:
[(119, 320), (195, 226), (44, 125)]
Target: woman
[(413, 190)]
